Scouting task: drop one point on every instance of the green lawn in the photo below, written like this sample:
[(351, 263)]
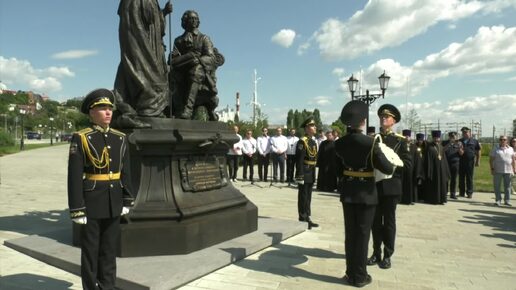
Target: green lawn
[(4, 150), (483, 180)]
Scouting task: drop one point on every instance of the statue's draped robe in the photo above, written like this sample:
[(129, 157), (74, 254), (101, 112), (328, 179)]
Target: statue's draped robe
[(141, 85)]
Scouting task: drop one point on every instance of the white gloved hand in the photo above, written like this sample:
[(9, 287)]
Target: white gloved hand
[(125, 210), (300, 182), (80, 220)]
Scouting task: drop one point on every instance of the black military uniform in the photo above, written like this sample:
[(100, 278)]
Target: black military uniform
[(471, 148), (408, 194), (306, 159), (356, 160), (389, 193), (98, 189), (451, 149)]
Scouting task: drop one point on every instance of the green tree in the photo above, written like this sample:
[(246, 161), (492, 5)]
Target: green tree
[(317, 119), (290, 119), (337, 124)]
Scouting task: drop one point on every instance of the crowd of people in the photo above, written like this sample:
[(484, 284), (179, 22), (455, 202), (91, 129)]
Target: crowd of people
[(427, 171), (439, 169)]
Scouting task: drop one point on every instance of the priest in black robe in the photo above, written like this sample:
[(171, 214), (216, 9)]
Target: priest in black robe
[(326, 157), (436, 171)]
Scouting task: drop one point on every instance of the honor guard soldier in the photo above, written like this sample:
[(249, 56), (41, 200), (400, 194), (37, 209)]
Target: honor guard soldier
[(409, 195), (358, 156), (306, 159), (389, 190), (99, 190)]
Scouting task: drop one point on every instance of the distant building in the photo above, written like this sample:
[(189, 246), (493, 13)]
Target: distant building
[(226, 114)]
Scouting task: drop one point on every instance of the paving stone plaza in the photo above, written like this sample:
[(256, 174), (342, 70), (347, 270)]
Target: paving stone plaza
[(465, 244)]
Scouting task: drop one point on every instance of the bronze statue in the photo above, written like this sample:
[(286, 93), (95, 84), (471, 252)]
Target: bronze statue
[(193, 64), (141, 85)]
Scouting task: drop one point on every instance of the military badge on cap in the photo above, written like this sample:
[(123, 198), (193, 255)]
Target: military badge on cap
[(95, 98), (389, 110), (308, 121)]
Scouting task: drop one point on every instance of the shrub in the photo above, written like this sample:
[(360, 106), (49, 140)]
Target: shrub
[(6, 139)]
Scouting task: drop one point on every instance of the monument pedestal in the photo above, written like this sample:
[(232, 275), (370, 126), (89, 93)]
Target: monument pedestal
[(184, 199)]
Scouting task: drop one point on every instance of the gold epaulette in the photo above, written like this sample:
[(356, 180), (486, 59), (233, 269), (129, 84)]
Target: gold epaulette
[(117, 132), (84, 131)]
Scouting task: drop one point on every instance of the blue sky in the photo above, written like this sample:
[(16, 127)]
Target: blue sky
[(453, 61)]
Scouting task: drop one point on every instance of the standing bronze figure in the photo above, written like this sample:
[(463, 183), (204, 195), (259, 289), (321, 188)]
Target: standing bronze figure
[(141, 85)]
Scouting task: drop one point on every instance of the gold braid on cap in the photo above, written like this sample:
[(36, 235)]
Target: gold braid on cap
[(101, 163), (102, 101), (387, 112)]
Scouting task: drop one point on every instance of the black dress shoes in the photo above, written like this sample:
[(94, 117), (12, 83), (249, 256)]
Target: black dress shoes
[(311, 225), (373, 260), (361, 284), (385, 263)]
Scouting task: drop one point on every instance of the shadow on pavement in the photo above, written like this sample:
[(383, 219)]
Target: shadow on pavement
[(497, 221), (42, 223), (31, 281), (282, 260)]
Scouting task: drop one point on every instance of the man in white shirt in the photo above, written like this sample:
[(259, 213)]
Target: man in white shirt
[(264, 149), (279, 145), (233, 155), (248, 150), (320, 137), (291, 153), (503, 167)]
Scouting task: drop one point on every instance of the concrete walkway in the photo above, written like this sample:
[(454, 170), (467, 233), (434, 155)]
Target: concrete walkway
[(465, 244)]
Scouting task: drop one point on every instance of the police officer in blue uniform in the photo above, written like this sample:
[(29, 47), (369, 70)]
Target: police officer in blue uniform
[(389, 190), (306, 159), (99, 190), (469, 159), (358, 156)]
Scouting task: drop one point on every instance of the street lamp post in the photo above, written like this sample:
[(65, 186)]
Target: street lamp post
[(22, 138), (51, 132), (368, 98)]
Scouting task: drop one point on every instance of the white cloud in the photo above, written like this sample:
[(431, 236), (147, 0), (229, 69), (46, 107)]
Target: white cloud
[(20, 74), (284, 37), (474, 56), (338, 71), (303, 48), (384, 24), (73, 54), (321, 101), (59, 72), (492, 110), (491, 50)]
